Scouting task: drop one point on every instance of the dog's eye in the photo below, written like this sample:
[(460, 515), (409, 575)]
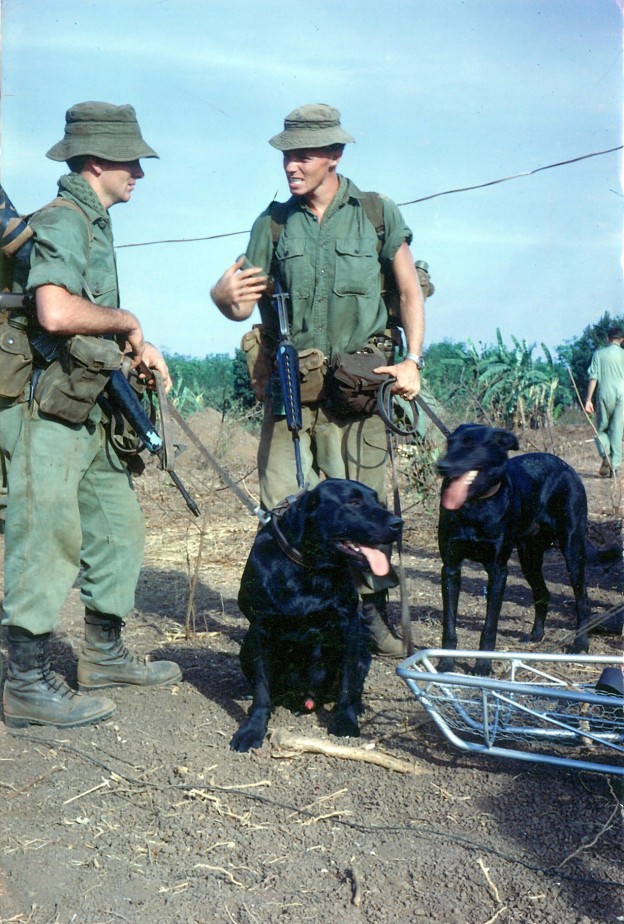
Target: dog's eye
[(354, 501)]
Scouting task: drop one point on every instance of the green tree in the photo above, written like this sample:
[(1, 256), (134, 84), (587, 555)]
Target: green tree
[(200, 383)]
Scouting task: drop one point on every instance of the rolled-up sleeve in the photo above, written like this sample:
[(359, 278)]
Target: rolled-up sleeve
[(260, 247), (396, 231)]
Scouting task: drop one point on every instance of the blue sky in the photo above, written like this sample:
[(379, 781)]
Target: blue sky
[(437, 95)]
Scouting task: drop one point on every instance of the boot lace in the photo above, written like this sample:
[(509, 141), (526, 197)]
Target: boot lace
[(55, 682)]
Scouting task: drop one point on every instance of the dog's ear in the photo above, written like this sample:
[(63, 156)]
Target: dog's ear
[(507, 440)]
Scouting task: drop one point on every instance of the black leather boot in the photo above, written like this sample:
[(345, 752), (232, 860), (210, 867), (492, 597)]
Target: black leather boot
[(375, 618), (34, 694), (106, 662)]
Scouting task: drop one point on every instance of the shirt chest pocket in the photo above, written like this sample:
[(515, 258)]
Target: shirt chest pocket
[(357, 268), (293, 258)]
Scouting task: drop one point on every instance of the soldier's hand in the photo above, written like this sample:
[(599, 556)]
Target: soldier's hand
[(407, 375), (153, 359), (238, 290)]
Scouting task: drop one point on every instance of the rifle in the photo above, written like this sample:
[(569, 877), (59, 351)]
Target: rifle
[(118, 397), (287, 362)]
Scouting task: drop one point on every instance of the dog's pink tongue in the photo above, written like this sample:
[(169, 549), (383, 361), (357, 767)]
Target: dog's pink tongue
[(455, 495), (377, 560)]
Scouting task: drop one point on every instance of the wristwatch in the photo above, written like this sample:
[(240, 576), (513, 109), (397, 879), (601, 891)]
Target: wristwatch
[(419, 360)]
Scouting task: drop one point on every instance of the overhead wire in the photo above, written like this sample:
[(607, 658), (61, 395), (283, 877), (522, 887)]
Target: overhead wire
[(447, 192)]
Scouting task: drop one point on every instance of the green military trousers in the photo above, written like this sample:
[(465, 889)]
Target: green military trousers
[(610, 425), (330, 447), (11, 416), (70, 503)]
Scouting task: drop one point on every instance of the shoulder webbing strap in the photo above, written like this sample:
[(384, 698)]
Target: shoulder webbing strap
[(69, 204), (373, 207)]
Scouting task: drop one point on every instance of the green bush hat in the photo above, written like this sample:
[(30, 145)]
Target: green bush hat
[(102, 130), (315, 125)]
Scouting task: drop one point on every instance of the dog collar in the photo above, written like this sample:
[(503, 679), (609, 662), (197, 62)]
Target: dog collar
[(490, 493), (288, 549)]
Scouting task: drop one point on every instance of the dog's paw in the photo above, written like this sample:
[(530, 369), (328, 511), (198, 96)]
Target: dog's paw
[(247, 737), (345, 726), (482, 669), (446, 665), (531, 638), (578, 647)]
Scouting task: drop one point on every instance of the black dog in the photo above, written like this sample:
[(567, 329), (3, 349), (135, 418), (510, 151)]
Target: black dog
[(489, 504), (305, 645)]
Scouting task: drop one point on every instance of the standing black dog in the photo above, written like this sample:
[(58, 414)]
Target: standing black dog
[(489, 504), (305, 644)]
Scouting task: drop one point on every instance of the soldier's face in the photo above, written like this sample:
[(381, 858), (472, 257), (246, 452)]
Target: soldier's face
[(117, 180), (308, 169)]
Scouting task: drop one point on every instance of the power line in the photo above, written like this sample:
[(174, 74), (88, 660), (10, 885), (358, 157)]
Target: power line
[(514, 176), (447, 192)]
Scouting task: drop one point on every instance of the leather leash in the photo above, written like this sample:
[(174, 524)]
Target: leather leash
[(384, 407), (253, 508)]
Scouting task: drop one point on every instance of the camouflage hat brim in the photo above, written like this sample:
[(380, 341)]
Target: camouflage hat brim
[(101, 130), (315, 125)]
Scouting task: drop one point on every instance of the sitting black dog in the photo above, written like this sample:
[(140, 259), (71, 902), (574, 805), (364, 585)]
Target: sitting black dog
[(489, 504), (305, 644)]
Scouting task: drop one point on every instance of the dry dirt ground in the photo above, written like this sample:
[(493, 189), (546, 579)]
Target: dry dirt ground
[(150, 817)]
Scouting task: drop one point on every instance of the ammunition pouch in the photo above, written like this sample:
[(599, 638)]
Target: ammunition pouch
[(352, 386), (258, 354), (15, 354), (69, 387), (313, 368)]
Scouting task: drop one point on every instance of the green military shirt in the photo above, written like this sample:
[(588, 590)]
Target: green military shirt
[(607, 368), (67, 251), (330, 269)]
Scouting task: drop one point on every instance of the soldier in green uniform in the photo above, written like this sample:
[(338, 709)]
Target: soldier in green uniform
[(328, 259), (607, 372), (71, 500)]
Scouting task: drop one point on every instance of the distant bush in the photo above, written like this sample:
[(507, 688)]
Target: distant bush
[(217, 381)]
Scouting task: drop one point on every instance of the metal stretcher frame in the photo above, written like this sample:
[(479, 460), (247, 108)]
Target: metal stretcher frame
[(534, 707)]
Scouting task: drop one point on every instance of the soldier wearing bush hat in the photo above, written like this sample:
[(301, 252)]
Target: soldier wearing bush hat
[(71, 501), (102, 130), (313, 126), (325, 248)]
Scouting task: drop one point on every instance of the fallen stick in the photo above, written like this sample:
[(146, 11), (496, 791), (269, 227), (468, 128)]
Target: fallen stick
[(285, 744)]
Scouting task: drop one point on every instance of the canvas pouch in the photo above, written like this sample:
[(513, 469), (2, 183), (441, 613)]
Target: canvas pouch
[(69, 387), (352, 386)]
